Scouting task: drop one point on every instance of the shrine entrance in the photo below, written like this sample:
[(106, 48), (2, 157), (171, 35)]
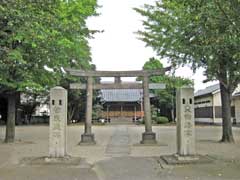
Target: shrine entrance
[(148, 137), (122, 106)]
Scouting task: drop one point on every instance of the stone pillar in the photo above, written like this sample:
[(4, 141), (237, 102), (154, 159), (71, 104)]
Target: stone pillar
[(141, 107), (185, 123), (88, 137), (148, 137), (107, 112), (121, 111), (58, 122), (135, 113), (117, 80)]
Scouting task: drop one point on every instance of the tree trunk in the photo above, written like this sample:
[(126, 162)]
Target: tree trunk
[(227, 135), (172, 115), (30, 113), (71, 112), (11, 118)]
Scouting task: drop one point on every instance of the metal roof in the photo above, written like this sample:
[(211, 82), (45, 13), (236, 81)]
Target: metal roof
[(214, 88), (237, 94), (121, 95), (207, 90)]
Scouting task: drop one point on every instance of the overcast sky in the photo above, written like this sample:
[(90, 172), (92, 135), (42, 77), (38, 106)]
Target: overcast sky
[(118, 48)]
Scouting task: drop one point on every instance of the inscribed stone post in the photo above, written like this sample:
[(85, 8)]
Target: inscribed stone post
[(58, 122), (185, 122)]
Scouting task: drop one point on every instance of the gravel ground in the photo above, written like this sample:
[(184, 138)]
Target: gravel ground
[(118, 155)]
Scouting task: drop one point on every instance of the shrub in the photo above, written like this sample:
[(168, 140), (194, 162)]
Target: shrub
[(161, 120)]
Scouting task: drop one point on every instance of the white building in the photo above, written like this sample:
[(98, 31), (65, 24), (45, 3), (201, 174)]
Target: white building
[(208, 105)]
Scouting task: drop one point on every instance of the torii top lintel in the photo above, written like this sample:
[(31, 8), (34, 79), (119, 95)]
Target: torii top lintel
[(83, 73)]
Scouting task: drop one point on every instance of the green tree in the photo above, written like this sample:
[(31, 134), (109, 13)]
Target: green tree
[(38, 39), (30, 102), (165, 98), (200, 33), (77, 98), (97, 111)]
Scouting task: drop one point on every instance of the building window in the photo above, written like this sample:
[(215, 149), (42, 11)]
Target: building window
[(202, 102)]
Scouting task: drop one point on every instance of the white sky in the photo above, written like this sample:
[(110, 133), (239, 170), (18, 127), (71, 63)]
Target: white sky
[(118, 48)]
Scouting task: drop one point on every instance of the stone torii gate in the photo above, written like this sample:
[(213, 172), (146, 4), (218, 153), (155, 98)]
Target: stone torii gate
[(148, 137)]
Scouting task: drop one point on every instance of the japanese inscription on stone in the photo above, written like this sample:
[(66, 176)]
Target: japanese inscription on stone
[(58, 122), (185, 122)]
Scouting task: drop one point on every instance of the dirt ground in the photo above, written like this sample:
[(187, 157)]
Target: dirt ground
[(118, 155)]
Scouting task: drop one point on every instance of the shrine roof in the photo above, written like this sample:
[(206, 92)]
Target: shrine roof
[(121, 95)]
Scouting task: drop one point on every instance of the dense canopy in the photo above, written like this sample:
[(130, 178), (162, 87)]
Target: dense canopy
[(201, 33), (38, 38)]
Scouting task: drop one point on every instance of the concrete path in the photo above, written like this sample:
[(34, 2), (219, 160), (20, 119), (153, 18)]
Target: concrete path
[(120, 166), (128, 168), (119, 142)]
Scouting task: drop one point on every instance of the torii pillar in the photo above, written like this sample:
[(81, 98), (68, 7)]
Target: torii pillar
[(148, 137), (87, 138)]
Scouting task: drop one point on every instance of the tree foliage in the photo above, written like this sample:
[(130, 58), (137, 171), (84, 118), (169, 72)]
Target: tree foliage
[(166, 97), (201, 33), (38, 38)]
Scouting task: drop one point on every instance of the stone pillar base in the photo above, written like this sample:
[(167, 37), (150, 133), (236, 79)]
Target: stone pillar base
[(186, 157), (177, 159), (87, 139), (148, 138)]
